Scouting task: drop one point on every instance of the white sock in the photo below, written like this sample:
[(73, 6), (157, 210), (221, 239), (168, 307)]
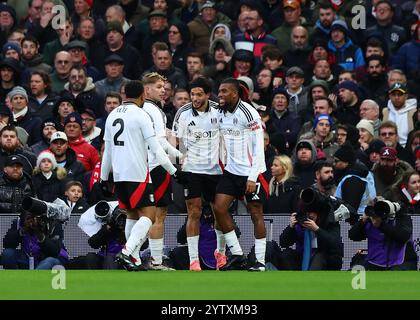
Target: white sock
[(193, 248), (260, 245), (136, 254), (221, 243), (129, 224), (233, 243), (138, 235), (156, 250)]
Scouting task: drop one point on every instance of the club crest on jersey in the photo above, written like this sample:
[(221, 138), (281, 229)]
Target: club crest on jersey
[(151, 197)]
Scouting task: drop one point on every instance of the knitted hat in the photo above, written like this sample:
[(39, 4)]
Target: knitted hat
[(280, 90), (340, 25), (18, 91), (11, 46), (367, 125), (375, 146), (114, 26), (73, 117), (349, 85), (247, 81), (322, 117), (46, 155), (346, 154)]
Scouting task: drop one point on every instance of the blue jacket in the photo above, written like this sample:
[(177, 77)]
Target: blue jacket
[(407, 58), (349, 56)]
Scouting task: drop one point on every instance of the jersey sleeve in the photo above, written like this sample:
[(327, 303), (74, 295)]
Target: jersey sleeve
[(257, 145), (178, 127), (146, 127)]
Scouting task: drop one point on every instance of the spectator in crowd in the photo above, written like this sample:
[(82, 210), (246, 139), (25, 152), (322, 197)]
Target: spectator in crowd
[(48, 127), (163, 65), (369, 110), (366, 133), (117, 13), (375, 45), (60, 76), (90, 132), (263, 94), (8, 22), (387, 239), (83, 8), (63, 107), (78, 53), (355, 183), (343, 132), (178, 41), (321, 105), (112, 101), (81, 86), (242, 63), (348, 55), (41, 244), (324, 174), (273, 60), (66, 157), (388, 170), (284, 188), (74, 197), (181, 98), (134, 11), (297, 92), (304, 161), (388, 133), (10, 145), (375, 83), (407, 191), (48, 179), (373, 153), (31, 59), (218, 67), (348, 110), (15, 185), (396, 76), (195, 65), (85, 153), (9, 76), (299, 50), (41, 99), (326, 17), (22, 116), (201, 26), (393, 34), (400, 110), (116, 45), (220, 30), (322, 71), (282, 120), (114, 66)]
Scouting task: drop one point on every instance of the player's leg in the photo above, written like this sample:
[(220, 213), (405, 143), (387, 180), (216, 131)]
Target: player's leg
[(194, 208), (156, 236), (257, 216)]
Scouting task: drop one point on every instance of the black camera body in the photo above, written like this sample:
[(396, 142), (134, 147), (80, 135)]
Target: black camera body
[(34, 206), (115, 218), (383, 209)]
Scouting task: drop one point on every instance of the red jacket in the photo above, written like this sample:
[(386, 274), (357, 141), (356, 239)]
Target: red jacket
[(85, 153)]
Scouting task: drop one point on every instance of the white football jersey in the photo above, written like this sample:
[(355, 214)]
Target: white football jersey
[(243, 136), (200, 135), (159, 123), (126, 129)]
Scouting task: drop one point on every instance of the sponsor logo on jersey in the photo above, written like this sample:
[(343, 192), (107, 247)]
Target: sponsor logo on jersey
[(254, 125), (192, 123)]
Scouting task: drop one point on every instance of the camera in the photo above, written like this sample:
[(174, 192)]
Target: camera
[(57, 210), (384, 209), (115, 218)]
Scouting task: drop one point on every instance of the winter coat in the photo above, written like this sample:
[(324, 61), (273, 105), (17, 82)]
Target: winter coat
[(89, 98), (110, 241), (132, 60), (173, 74), (328, 146), (45, 109), (289, 124), (285, 197), (12, 193), (32, 124), (305, 171), (381, 186), (28, 157), (85, 153), (74, 168), (349, 56), (407, 59), (52, 188)]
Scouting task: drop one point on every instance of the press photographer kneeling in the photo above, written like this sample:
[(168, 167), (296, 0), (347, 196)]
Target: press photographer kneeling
[(39, 232), (387, 227), (315, 229)]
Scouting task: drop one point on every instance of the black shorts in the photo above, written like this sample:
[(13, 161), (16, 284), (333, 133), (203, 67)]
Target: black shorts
[(235, 185), (161, 181), (200, 184), (133, 195)]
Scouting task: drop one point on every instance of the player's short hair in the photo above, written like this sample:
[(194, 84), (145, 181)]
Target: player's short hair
[(72, 184), (202, 83), (151, 78), (233, 82), (133, 89)]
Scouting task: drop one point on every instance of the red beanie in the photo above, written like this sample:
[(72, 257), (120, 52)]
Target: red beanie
[(89, 3)]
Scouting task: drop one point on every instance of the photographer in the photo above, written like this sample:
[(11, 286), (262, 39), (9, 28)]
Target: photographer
[(104, 224), (388, 228), (316, 234), (41, 241)]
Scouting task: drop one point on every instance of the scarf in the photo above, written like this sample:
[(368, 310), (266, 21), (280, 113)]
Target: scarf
[(19, 115), (307, 248), (410, 199), (95, 175)]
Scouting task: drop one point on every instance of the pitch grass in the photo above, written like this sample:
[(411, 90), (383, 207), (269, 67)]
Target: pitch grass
[(207, 285)]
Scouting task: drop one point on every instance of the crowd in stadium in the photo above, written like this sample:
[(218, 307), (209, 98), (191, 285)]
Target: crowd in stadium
[(337, 102)]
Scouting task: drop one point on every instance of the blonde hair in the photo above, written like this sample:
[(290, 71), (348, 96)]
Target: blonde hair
[(152, 78), (61, 172), (287, 165)]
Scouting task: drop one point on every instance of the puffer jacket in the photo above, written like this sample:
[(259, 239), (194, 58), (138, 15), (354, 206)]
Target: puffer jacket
[(13, 192)]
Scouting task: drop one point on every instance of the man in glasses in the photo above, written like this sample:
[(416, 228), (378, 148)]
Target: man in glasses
[(388, 133), (60, 75)]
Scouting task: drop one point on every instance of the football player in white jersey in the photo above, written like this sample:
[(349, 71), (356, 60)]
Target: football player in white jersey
[(196, 128), (154, 92), (128, 135), (243, 135)]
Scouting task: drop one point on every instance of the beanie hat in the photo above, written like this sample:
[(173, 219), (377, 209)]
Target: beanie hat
[(18, 91), (322, 117), (349, 85), (73, 117), (340, 25), (375, 146), (367, 125), (11, 46), (280, 90), (114, 26), (320, 83), (46, 155), (345, 153)]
